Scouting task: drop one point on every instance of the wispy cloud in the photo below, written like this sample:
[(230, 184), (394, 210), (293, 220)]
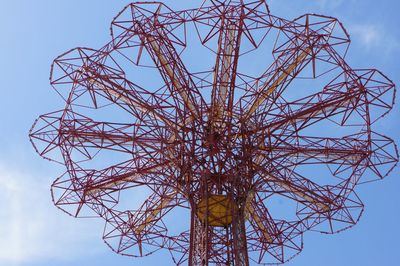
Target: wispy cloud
[(373, 37), (31, 229), (368, 35)]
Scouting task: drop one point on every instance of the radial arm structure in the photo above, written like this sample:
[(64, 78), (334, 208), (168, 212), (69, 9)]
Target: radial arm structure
[(220, 134)]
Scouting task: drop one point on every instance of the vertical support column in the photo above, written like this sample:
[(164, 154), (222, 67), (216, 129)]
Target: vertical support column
[(199, 249), (218, 245), (240, 252)]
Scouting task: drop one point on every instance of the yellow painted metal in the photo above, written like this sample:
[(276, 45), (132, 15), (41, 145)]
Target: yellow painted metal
[(262, 228), (251, 214), (150, 218), (290, 188), (306, 197), (247, 206), (119, 96), (218, 209), (225, 65), (169, 197), (173, 75), (285, 73), (122, 98), (112, 184)]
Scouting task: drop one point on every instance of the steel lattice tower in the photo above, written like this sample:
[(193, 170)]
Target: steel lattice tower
[(183, 105)]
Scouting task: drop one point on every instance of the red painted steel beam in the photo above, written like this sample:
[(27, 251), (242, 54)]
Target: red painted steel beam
[(250, 143)]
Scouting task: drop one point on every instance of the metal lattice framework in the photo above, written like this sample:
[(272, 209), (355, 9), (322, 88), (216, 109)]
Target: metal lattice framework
[(202, 127)]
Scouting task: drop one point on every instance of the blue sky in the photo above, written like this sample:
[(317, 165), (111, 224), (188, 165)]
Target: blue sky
[(34, 232)]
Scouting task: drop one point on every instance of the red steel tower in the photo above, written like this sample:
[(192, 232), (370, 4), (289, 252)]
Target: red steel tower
[(251, 126)]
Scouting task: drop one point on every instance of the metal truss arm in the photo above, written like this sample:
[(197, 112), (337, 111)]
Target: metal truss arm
[(315, 108), (125, 175), (279, 75), (134, 96), (172, 69), (347, 150), (261, 219), (302, 188), (154, 208), (143, 228), (225, 70)]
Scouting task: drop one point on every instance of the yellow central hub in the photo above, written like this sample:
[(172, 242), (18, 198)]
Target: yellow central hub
[(217, 208)]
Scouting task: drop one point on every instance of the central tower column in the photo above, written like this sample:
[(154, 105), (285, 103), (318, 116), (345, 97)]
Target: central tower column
[(218, 232)]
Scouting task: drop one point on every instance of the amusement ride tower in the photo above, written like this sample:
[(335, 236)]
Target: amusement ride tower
[(251, 126)]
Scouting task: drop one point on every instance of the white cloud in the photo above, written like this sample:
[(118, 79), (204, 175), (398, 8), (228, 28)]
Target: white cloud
[(32, 229), (369, 35), (373, 36)]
